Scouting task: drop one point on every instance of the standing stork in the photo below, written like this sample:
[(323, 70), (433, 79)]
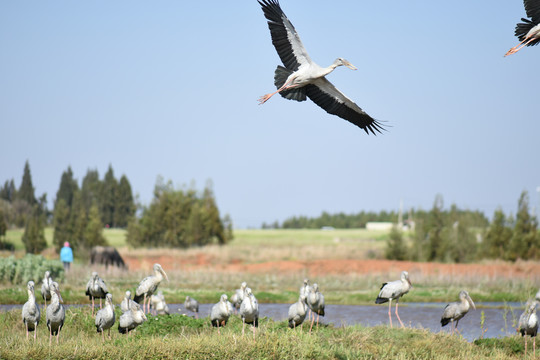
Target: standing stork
[(125, 304), (105, 317), (393, 291), (528, 324), (297, 312), (131, 319), (192, 305), (238, 296), (220, 313), (302, 77), (96, 289), (315, 301), (158, 304), (30, 311), (528, 32), (249, 311), (148, 286), (46, 287), (457, 310), (55, 314)]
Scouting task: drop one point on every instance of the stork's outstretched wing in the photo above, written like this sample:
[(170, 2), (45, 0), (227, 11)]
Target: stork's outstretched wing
[(323, 93), (532, 7), (284, 36)]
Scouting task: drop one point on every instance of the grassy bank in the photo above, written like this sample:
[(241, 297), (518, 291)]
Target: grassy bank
[(178, 336)]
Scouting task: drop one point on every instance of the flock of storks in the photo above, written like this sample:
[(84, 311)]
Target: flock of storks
[(310, 300)]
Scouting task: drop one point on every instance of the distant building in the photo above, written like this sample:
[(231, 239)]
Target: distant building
[(376, 225)]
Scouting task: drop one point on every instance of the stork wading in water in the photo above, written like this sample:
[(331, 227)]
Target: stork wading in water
[(192, 305), (302, 77), (96, 289), (148, 286), (55, 314), (105, 317), (528, 31), (393, 291), (457, 310), (528, 324), (30, 311)]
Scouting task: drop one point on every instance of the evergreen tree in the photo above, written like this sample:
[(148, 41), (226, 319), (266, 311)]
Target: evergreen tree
[(108, 198), (26, 191), (497, 237), (435, 229), (395, 247), (524, 243), (91, 189), (34, 234), (78, 221), (8, 191), (68, 187), (93, 234), (62, 225), (3, 224), (125, 206)]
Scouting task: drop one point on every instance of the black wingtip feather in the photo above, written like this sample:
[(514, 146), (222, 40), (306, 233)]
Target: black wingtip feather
[(380, 300)]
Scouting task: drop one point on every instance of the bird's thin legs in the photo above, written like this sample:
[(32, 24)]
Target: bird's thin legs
[(243, 326), (317, 320), (35, 331), (100, 304), (312, 321), (50, 337), (26, 324), (516, 48), (144, 304), (102, 335), (267, 97), (397, 302), (109, 333), (92, 306), (390, 311), (525, 337)]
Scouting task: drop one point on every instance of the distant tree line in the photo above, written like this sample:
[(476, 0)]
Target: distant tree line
[(462, 236), (180, 218), (338, 221)]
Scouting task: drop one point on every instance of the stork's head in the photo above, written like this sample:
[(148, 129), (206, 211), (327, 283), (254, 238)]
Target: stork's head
[(108, 298), (30, 286), (464, 295), (158, 268), (47, 274), (405, 277), (224, 298), (56, 290), (94, 275), (128, 294), (343, 62)]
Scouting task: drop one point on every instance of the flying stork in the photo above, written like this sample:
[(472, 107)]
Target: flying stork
[(528, 31), (302, 77)]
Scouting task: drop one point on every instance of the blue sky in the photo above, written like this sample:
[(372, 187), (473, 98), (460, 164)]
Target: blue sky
[(170, 88)]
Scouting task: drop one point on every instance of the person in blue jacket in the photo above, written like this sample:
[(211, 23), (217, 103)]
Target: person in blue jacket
[(66, 256)]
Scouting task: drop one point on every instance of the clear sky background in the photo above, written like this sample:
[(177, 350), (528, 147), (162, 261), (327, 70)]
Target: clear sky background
[(170, 88)]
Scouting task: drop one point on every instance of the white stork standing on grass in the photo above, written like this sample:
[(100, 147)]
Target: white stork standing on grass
[(105, 317), (30, 311), (249, 311), (148, 286), (457, 310), (302, 77), (55, 314), (96, 289), (393, 291), (528, 324)]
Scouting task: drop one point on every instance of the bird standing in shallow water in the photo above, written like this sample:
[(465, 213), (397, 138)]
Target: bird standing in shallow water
[(528, 324), (148, 286), (30, 311), (393, 291), (192, 305), (301, 77), (528, 32), (455, 311)]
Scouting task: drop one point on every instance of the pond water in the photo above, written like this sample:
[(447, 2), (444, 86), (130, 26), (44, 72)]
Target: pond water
[(499, 318)]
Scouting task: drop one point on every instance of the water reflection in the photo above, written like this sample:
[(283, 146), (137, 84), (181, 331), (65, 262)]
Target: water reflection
[(500, 319)]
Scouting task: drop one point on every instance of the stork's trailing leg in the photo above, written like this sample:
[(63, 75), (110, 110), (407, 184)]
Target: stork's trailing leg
[(397, 302), (519, 46), (390, 311), (267, 97)]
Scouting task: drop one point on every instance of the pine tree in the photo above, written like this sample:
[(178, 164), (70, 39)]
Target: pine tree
[(525, 239), (395, 247), (91, 189), (125, 206), (34, 234), (68, 187), (78, 221), (108, 198), (26, 191), (8, 191), (93, 234), (497, 237), (62, 225)]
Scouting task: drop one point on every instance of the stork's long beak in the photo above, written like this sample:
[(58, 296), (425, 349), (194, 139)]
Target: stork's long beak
[(59, 296), (471, 302), (165, 274), (350, 66)]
